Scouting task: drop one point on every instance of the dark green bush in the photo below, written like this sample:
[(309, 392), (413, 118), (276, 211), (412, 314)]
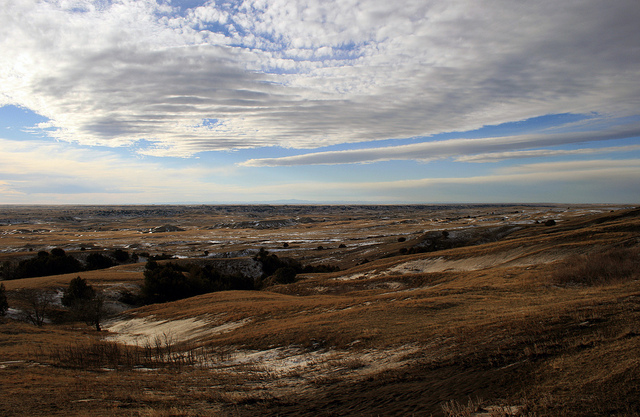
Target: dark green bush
[(271, 263), (84, 302), (77, 292), (58, 262), (99, 261), (172, 281), (121, 255), (285, 275)]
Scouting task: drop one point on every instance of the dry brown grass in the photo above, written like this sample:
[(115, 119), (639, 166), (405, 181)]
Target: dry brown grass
[(600, 268), (130, 274), (504, 332)]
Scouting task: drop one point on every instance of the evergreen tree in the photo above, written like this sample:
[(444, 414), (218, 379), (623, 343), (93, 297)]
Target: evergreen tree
[(84, 302)]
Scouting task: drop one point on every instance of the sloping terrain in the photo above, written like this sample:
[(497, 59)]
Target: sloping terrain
[(456, 330)]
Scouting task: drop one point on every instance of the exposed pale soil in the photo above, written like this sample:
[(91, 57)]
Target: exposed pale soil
[(146, 331)]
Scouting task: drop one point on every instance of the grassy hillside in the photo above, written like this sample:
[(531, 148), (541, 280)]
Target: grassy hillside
[(517, 326)]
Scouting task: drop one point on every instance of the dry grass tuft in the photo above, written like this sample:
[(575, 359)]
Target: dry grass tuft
[(454, 408), (600, 268), (162, 352)]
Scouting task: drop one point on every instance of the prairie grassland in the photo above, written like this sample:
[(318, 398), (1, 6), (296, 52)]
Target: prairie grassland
[(495, 328)]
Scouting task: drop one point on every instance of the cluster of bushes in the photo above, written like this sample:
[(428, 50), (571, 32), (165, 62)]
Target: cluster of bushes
[(58, 262), (44, 263), (163, 282), (284, 270), (432, 242), (82, 303), (442, 240), (172, 281)]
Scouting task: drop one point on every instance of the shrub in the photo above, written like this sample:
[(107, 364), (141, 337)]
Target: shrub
[(285, 275), (37, 304), (59, 252), (271, 263), (128, 297), (165, 283), (171, 281), (161, 257), (454, 408), (99, 261), (77, 292), (121, 255), (84, 302), (7, 270), (599, 268), (58, 262)]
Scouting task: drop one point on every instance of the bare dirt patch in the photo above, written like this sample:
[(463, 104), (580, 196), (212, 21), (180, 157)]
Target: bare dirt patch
[(142, 331)]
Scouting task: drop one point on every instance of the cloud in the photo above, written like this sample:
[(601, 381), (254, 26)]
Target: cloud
[(537, 153), (459, 148), (44, 172), (307, 74)]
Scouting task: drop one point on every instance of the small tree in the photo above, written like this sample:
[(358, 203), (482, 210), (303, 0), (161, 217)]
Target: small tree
[(99, 261), (38, 304), (285, 275), (165, 282), (121, 255), (78, 292), (58, 252), (7, 270), (84, 302), (4, 304), (94, 311)]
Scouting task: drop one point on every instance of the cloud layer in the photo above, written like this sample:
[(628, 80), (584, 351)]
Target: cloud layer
[(460, 148), (307, 74), (60, 173)]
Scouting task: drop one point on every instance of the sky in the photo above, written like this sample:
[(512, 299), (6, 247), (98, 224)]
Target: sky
[(319, 101)]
